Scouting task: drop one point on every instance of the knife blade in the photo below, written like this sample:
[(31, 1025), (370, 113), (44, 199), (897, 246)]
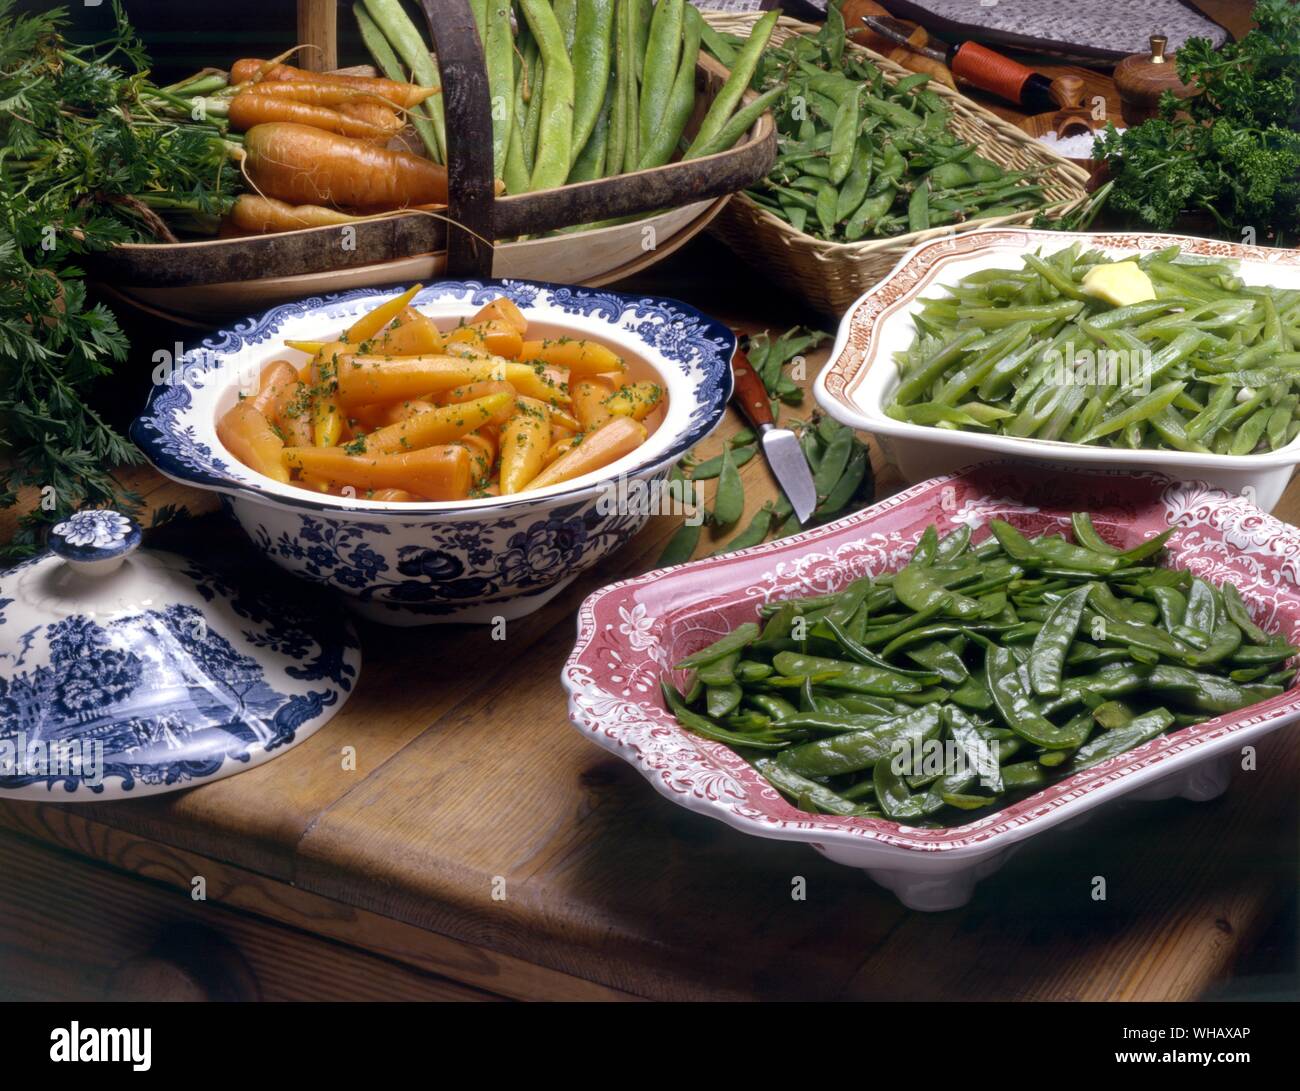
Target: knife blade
[(780, 445)]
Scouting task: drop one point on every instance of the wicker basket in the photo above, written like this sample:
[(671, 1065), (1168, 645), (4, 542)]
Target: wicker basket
[(829, 276)]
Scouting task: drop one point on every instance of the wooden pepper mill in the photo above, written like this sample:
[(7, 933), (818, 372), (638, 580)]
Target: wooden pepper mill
[(1141, 80)]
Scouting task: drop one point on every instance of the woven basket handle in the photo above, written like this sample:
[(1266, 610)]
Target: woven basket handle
[(468, 109)]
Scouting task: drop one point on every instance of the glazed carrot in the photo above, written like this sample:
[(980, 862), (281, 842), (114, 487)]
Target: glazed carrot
[(365, 379), (262, 215), (582, 358), (326, 414), (565, 419), (405, 94), (635, 400), (433, 473), (303, 165), (482, 447), (498, 337), (504, 310), (524, 440), (597, 450), (411, 334), (560, 447), (470, 391), (391, 495), (370, 323), (590, 397), (249, 437), (440, 425), (292, 415), (396, 412), (274, 380), (249, 108)]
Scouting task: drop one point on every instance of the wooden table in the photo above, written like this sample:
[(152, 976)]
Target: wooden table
[(482, 848)]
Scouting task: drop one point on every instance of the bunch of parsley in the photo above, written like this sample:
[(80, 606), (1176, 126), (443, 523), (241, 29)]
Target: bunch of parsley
[(90, 151), (1235, 153)]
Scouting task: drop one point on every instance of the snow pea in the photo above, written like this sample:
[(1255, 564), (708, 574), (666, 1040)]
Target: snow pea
[(734, 641), (857, 750), (1047, 657)]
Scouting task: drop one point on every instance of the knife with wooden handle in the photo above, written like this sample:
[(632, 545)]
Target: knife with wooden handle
[(780, 445)]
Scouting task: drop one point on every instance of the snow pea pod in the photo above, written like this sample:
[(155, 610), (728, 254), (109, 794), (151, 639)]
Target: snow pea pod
[(1240, 616), (1206, 692), (1141, 729), (801, 789), (852, 676), (893, 796), (857, 750), (1008, 682), (702, 725), (1047, 656), (739, 637), (918, 591), (863, 654)]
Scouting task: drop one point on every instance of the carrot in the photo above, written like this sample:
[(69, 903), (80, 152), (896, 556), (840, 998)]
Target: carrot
[(635, 400), (482, 447), (383, 118), (411, 334), (504, 310), (590, 398), (366, 379), (560, 447), (303, 165), (497, 337), (249, 108), (404, 94), (249, 437), (434, 473), (274, 380), (396, 412), (524, 440), (470, 391), (292, 414), (597, 450), (370, 323), (582, 358), (263, 215), (391, 494), (438, 426)]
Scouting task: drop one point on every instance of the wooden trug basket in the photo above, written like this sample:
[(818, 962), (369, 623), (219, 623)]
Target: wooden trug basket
[(475, 216), (830, 276)]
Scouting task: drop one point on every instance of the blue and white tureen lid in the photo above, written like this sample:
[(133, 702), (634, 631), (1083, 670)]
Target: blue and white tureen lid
[(126, 671)]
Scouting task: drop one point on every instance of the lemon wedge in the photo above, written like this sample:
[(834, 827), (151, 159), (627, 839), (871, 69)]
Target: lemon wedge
[(1121, 283)]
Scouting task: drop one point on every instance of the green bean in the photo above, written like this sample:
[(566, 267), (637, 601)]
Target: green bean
[(736, 126), (681, 98), (593, 59), (554, 152), (729, 95), (681, 546), (377, 44), (662, 57), (499, 59), (396, 26)]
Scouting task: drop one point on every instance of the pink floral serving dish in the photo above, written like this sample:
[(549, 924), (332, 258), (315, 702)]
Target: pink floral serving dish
[(859, 378), (631, 632)]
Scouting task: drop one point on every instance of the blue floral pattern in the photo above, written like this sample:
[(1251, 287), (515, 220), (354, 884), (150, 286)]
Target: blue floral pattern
[(168, 698), (455, 564)]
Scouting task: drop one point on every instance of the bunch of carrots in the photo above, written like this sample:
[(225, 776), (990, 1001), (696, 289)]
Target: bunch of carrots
[(396, 409), (314, 147)]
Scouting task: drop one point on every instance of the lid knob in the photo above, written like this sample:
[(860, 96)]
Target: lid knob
[(95, 541)]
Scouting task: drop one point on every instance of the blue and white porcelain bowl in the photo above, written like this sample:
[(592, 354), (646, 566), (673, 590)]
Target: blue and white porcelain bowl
[(470, 560)]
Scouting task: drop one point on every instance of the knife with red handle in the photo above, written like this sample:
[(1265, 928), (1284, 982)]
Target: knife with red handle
[(983, 68), (780, 445)]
